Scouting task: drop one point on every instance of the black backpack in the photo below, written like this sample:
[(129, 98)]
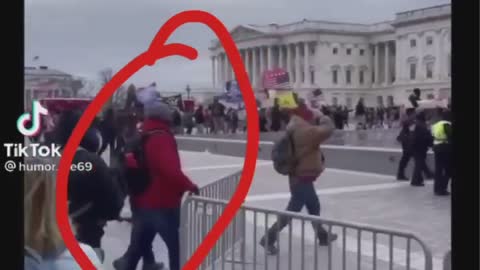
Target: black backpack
[(283, 155), (137, 178)]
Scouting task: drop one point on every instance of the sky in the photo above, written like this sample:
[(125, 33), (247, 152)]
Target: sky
[(82, 37)]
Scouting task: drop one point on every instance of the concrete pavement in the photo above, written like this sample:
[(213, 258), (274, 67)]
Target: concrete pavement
[(350, 196)]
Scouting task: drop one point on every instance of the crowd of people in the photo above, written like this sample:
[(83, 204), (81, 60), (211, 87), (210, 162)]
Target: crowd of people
[(419, 133), (98, 196), (216, 118)]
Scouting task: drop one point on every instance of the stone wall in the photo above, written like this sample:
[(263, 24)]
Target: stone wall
[(379, 160)]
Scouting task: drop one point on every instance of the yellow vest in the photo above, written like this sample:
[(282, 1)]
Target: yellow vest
[(438, 132)]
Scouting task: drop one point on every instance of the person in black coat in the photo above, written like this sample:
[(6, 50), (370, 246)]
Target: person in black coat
[(94, 195), (276, 117), (107, 129), (422, 140), (403, 139), (415, 97)]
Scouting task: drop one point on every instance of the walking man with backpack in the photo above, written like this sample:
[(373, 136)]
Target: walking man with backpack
[(160, 185), (298, 155)]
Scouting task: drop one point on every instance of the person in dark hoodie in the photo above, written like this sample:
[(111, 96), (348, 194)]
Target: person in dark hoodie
[(422, 140), (94, 196), (157, 210)]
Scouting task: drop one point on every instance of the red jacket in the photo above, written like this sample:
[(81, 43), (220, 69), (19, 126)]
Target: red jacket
[(168, 182)]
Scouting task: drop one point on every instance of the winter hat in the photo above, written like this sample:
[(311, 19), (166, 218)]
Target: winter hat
[(157, 109)]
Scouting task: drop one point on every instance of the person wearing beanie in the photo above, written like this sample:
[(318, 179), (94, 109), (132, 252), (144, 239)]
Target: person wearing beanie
[(159, 206)]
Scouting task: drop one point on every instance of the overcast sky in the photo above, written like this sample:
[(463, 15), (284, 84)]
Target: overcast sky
[(82, 37)]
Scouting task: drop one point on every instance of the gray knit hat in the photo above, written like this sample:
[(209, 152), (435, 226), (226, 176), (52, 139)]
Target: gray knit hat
[(157, 109)]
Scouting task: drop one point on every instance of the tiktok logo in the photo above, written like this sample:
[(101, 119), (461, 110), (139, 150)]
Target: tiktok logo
[(34, 118)]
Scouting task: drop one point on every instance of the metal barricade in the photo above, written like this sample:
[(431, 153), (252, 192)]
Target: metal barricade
[(357, 247), (222, 189), (204, 218)]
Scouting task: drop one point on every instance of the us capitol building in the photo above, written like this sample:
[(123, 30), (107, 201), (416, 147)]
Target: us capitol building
[(380, 62)]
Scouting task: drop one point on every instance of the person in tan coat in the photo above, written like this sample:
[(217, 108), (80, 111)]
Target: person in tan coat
[(307, 139)]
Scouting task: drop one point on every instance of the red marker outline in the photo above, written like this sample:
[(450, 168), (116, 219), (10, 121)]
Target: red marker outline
[(158, 50)]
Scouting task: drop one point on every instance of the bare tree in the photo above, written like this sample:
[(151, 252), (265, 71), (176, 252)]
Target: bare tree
[(105, 75), (76, 85), (119, 97)]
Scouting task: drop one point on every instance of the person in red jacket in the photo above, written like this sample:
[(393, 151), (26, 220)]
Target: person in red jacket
[(157, 210)]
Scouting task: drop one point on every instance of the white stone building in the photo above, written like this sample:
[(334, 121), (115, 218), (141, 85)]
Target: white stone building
[(43, 82), (380, 62)]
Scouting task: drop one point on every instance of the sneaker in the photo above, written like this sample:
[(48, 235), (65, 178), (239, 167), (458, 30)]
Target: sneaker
[(153, 266), (325, 241), (269, 249)]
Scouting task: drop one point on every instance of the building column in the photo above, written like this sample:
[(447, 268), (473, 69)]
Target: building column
[(438, 54), (247, 64), (306, 63), (387, 64), (297, 64), (213, 71), (402, 58), (232, 73), (262, 65), (281, 57), (254, 67), (375, 63), (421, 75), (397, 59), (289, 63), (220, 70), (228, 69), (270, 57)]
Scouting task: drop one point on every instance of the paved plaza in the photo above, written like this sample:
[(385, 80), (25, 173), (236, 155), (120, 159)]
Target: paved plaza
[(347, 196)]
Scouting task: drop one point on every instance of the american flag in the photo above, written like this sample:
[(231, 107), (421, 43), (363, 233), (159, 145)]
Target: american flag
[(276, 79)]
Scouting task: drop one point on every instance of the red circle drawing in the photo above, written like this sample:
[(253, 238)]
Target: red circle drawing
[(158, 50)]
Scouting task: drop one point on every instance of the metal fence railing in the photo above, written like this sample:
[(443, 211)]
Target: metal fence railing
[(222, 189), (357, 247), (203, 219)]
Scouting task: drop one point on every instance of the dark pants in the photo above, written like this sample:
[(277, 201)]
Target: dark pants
[(443, 169), (402, 165), (302, 194), (148, 223), (107, 140), (419, 168), (148, 256), (90, 233)]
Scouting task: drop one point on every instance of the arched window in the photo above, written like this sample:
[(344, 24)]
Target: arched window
[(412, 67), (449, 65), (348, 74), (361, 74), (380, 100), (335, 71), (390, 101), (334, 101)]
